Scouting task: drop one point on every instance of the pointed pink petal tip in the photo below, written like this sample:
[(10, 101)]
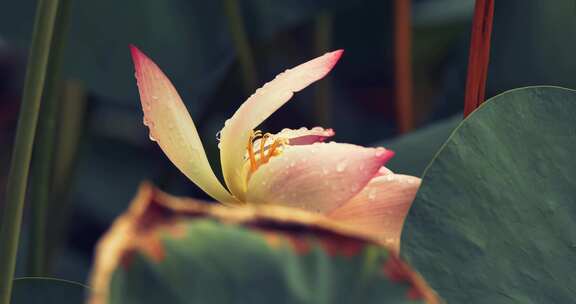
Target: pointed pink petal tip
[(386, 155), (334, 57), (137, 56)]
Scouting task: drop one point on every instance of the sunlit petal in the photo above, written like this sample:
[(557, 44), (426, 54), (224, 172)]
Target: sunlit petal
[(266, 100), (381, 207), (317, 177), (172, 127)]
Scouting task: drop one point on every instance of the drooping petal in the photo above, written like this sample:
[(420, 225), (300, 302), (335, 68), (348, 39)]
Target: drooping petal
[(304, 136), (296, 137), (381, 207), (172, 127), (317, 177), (266, 100)]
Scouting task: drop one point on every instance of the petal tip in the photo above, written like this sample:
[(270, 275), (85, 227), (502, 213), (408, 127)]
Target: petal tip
[(330, 132), (335, 56), (134, 51), (138, 57), (384, 154)]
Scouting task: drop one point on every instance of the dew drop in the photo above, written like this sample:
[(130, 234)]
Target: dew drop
[(341, 166), (380, 152), (372, 195), (218, 135), (152, 138)]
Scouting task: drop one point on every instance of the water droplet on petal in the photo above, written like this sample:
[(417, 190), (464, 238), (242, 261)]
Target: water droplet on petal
[(372, 195), (218, 135), (380, 152), (341, 166), (152, 138), (147, 122)]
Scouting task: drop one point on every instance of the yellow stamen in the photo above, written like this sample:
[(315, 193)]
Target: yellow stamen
[(262, 146), (263, 157), (251, 156), (273, 150)]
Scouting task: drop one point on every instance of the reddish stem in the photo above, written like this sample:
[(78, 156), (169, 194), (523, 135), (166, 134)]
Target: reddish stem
[(403, 65), (479, 55)]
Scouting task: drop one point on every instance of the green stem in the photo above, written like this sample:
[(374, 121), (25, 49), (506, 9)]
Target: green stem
[(22, 151), (242, 45), (70, 126), (43, 158), (322, 44)]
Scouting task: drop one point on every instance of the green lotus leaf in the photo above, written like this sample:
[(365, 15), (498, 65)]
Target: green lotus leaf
[(173, 250), (495, 218), (40, 290)]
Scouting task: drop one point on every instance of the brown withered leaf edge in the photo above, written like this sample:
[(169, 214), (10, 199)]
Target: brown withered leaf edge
[(153, 210)]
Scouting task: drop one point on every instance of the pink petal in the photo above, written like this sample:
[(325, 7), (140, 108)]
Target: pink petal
[(384, 171), (266, 100), (305, 136), (381, 207), (317, 177), (296, 137), (172, 127)]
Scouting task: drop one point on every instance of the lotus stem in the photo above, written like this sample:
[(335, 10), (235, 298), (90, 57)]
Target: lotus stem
[(322, 44), (403, 64), (479, 55), (69, 132), (242, 45), (22, 151), (43, 155)]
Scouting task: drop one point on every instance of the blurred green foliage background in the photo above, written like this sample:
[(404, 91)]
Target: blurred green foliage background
[(193, 41)]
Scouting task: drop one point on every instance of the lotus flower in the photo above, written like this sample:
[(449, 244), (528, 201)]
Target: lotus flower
[(294, 168)]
